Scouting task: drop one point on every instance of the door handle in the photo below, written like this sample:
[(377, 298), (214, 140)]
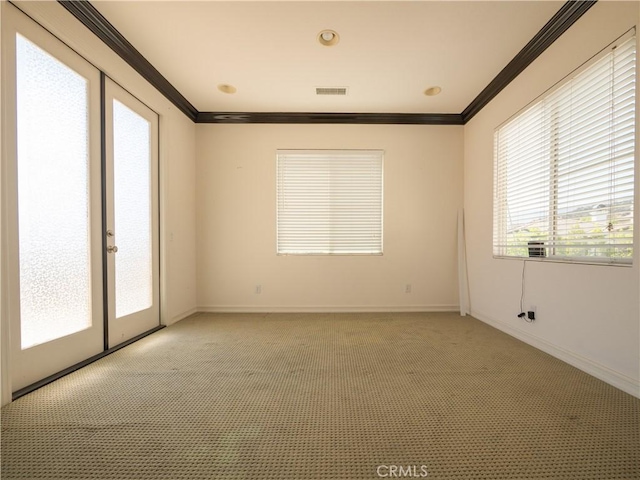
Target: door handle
[(112, 249)]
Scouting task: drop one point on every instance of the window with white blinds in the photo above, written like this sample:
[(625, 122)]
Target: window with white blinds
[(564, 167), (329, 202)]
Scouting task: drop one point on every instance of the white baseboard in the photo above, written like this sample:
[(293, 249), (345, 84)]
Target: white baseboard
[(617, 379), (324, 308), (181, 316)]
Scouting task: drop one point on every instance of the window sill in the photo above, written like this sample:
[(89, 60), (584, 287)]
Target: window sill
[(578, 261)]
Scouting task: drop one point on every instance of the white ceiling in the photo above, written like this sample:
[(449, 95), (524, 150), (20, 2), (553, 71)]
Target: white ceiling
[(388, 54)]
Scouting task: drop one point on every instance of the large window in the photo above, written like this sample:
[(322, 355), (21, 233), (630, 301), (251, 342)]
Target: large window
[(329, 202), (564, 167)]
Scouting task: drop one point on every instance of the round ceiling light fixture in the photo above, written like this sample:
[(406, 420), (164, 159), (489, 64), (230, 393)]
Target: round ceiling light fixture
[(432, 91), (328, 38), (226, 88)]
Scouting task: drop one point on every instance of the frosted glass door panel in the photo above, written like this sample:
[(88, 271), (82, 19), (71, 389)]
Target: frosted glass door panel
[(132, 210), (53, 206), (133, 248)]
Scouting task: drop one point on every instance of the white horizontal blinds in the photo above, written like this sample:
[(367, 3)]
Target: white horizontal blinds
[(595, 136), (564, 173), (329, 202), (522, 189)]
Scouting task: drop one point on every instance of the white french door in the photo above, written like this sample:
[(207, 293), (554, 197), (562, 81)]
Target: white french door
[(83, 247), (133, 283), (53, 184)]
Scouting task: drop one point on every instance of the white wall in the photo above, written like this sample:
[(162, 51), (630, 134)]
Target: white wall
[(179, 219), (236, 241), (587, 315)]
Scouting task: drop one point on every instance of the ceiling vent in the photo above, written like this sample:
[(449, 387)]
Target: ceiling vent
[(331, 90)]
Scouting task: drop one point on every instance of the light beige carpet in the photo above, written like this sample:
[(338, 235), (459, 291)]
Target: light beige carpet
[(324, 396)]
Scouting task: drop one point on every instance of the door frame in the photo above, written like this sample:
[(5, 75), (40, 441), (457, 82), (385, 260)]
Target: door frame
[(83, 43), (68, 349), (111, 90)]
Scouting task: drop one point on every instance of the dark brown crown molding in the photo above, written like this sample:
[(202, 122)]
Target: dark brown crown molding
[(100, 26), (570, 12), (348, 118)]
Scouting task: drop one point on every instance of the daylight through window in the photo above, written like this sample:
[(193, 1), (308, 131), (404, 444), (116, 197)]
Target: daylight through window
[(564, 167), (329, 202)]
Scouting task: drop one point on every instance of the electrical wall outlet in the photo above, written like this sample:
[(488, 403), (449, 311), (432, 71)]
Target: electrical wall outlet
[(258, 289), (407, 288)]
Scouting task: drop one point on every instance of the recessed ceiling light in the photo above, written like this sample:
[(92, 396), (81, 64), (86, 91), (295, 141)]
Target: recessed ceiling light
[(432, 91), (225, 88), (328, 38)]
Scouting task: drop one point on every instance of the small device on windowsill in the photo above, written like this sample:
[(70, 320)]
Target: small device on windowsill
[(537, 249)]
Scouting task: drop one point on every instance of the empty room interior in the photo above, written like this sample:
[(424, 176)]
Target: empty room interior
[(319, 240)]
